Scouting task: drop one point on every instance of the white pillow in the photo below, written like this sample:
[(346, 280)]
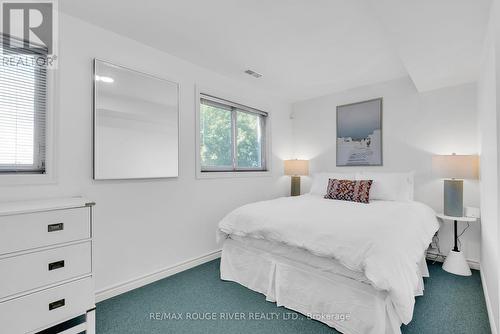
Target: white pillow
[(320, 181), (389, 186)]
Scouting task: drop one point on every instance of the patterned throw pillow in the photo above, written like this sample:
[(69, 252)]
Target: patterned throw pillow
[(349, 190)]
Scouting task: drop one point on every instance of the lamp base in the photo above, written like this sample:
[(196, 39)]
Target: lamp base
[(295, 186), (454, 198), (455, 263)]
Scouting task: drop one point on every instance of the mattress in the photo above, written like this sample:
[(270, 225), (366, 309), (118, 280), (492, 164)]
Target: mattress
[(318, 287)]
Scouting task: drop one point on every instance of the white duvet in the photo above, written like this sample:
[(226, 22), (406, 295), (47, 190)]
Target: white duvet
[(384, 239)]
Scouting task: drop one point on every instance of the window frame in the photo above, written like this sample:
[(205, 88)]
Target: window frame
[(25, 177), (233, 171), (25, 168)]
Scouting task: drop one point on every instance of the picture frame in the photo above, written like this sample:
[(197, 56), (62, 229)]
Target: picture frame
[(359, 133)]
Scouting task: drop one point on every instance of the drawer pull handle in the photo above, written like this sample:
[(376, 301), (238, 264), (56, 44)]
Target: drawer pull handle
[(56, 265), (56, 304), (55, 227)]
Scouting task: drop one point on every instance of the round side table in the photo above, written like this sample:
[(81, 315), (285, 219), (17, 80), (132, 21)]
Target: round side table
[(455, 262)]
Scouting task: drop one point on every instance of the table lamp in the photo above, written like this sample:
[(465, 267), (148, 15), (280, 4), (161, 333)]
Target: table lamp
[(454, 169), (295, 168)]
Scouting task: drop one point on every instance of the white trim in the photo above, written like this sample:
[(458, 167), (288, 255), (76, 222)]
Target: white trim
[(135, 283), (219, 175), (440, 258), (216, 175), (488, 304)]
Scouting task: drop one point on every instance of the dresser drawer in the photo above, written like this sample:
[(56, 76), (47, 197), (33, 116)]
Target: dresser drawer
[(37, 269), (31, 230), (47, 307)]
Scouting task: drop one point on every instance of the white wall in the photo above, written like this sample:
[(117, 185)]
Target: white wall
[(488, 106), (145, 226), (415, 126)]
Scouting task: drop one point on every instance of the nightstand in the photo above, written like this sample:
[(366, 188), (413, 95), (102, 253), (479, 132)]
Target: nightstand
[(455, 262)]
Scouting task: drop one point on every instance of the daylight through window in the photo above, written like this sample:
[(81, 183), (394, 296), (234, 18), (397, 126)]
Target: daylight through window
[(232, 136)]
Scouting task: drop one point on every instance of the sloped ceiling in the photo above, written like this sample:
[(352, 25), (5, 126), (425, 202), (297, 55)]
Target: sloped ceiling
[(439, 41), (307, 48)]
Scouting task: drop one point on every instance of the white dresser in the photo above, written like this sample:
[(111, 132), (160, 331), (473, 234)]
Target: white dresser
[(46, 276)]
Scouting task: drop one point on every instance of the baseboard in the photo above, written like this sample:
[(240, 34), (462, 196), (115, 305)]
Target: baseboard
[(135, 283), (488, 305), (440, 258)]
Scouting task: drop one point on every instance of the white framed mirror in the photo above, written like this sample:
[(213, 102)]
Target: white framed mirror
[(136, 124)]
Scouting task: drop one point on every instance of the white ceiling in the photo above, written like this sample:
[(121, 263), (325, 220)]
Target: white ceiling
[(307, 48), (439, 41)]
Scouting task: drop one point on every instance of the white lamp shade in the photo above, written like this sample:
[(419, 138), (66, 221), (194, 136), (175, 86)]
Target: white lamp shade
[(456, 166), (296, 167)]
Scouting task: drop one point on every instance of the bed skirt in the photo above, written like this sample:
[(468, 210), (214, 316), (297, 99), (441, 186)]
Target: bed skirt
[(341, 302)]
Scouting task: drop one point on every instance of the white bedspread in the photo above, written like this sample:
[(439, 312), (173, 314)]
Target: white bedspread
[(385, 240)]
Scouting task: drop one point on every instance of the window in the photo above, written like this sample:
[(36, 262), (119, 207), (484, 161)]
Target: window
[(232, 136), (23, 101)]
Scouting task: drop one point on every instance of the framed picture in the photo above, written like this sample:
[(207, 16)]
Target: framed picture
[(359, 133)]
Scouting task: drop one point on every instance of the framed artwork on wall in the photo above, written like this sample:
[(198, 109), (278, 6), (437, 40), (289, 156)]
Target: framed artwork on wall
[(359, 133)]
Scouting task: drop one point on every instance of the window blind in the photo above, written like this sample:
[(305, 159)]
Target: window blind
[(225, 104), (23, 109)]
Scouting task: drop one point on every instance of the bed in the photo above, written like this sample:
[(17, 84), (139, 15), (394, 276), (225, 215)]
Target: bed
[(356, 267)]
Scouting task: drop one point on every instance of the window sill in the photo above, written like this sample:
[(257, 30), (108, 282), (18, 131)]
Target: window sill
[(21, 179), (221, 175)]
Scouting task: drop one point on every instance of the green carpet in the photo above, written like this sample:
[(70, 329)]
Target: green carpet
[(451, 304)]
